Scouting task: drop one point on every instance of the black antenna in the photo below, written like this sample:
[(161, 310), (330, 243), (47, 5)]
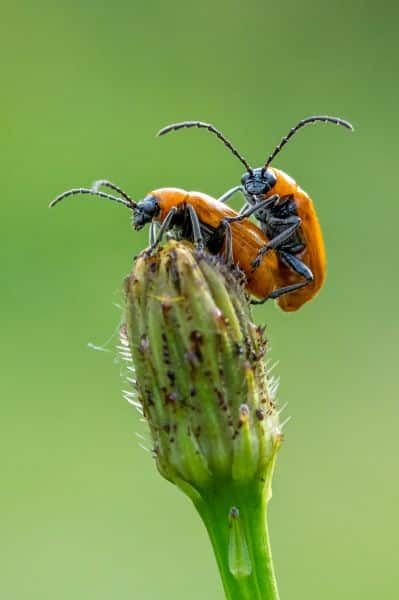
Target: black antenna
[(109, 184), (302, 123), (128, 203), (212, 129)]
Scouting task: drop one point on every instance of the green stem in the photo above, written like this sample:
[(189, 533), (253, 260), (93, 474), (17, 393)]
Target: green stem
[(240, 539)]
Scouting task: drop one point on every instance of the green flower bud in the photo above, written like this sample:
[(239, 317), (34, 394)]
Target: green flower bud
[(200, 370)]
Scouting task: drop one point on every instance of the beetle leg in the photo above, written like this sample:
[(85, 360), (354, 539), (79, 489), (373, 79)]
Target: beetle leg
[(108, 184), (249, 210), (228, 245), (196, 227), (296, 265), (259, 203), (153, 233), (286, 221), (166, 224), (227, 195), (281, 291), (278, 239)]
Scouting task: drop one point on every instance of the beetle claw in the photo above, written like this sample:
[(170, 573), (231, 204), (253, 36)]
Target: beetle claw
[(200, 247)]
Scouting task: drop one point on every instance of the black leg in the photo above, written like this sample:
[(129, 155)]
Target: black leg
[(260, 204), (228, 245), (196, 227), (227, 195), (166, 224), (243, 208), (153, 233), (292, 225), (296, 265)]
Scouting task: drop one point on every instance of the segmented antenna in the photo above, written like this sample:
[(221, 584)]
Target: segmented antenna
[(212, 129), (302, 123), (128, 203), (109, 184)]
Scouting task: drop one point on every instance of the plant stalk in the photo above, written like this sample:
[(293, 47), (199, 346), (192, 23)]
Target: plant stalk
[(235, 516)]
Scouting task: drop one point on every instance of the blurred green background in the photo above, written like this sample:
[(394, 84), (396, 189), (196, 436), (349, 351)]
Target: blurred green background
[(85, 86)]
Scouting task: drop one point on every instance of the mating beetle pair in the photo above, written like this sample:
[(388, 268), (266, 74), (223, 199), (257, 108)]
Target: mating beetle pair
[(284, 259)]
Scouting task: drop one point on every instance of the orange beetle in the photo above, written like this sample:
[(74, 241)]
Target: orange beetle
[(286, 215), (200, 218)]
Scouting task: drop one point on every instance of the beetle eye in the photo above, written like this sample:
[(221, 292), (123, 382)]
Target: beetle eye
[(270, 179), (266, 187)]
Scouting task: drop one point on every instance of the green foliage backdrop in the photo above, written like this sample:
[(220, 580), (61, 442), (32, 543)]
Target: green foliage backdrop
[(85, 86)]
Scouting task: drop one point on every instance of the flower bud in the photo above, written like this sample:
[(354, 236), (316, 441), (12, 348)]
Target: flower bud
[(200, 373)]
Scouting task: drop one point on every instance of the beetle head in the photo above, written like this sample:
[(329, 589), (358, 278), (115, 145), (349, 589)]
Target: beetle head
[(259, 182), (145, 211)]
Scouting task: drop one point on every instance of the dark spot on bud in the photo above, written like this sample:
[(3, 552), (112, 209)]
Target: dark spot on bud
[(173, 270), (248, 345), (166, 306), (219, 341), (244, 415), (144, 344), (197, 431), (271, 407), (171, 399), (262, 351), (193, 391), (196, 340), (191, 358), (260, 414), (238, 349), (221, 399), (171, 376), (222, 318), (149, 397), (196, 337), (166, 428), (165, 350), (234, 512), (260, 329)]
